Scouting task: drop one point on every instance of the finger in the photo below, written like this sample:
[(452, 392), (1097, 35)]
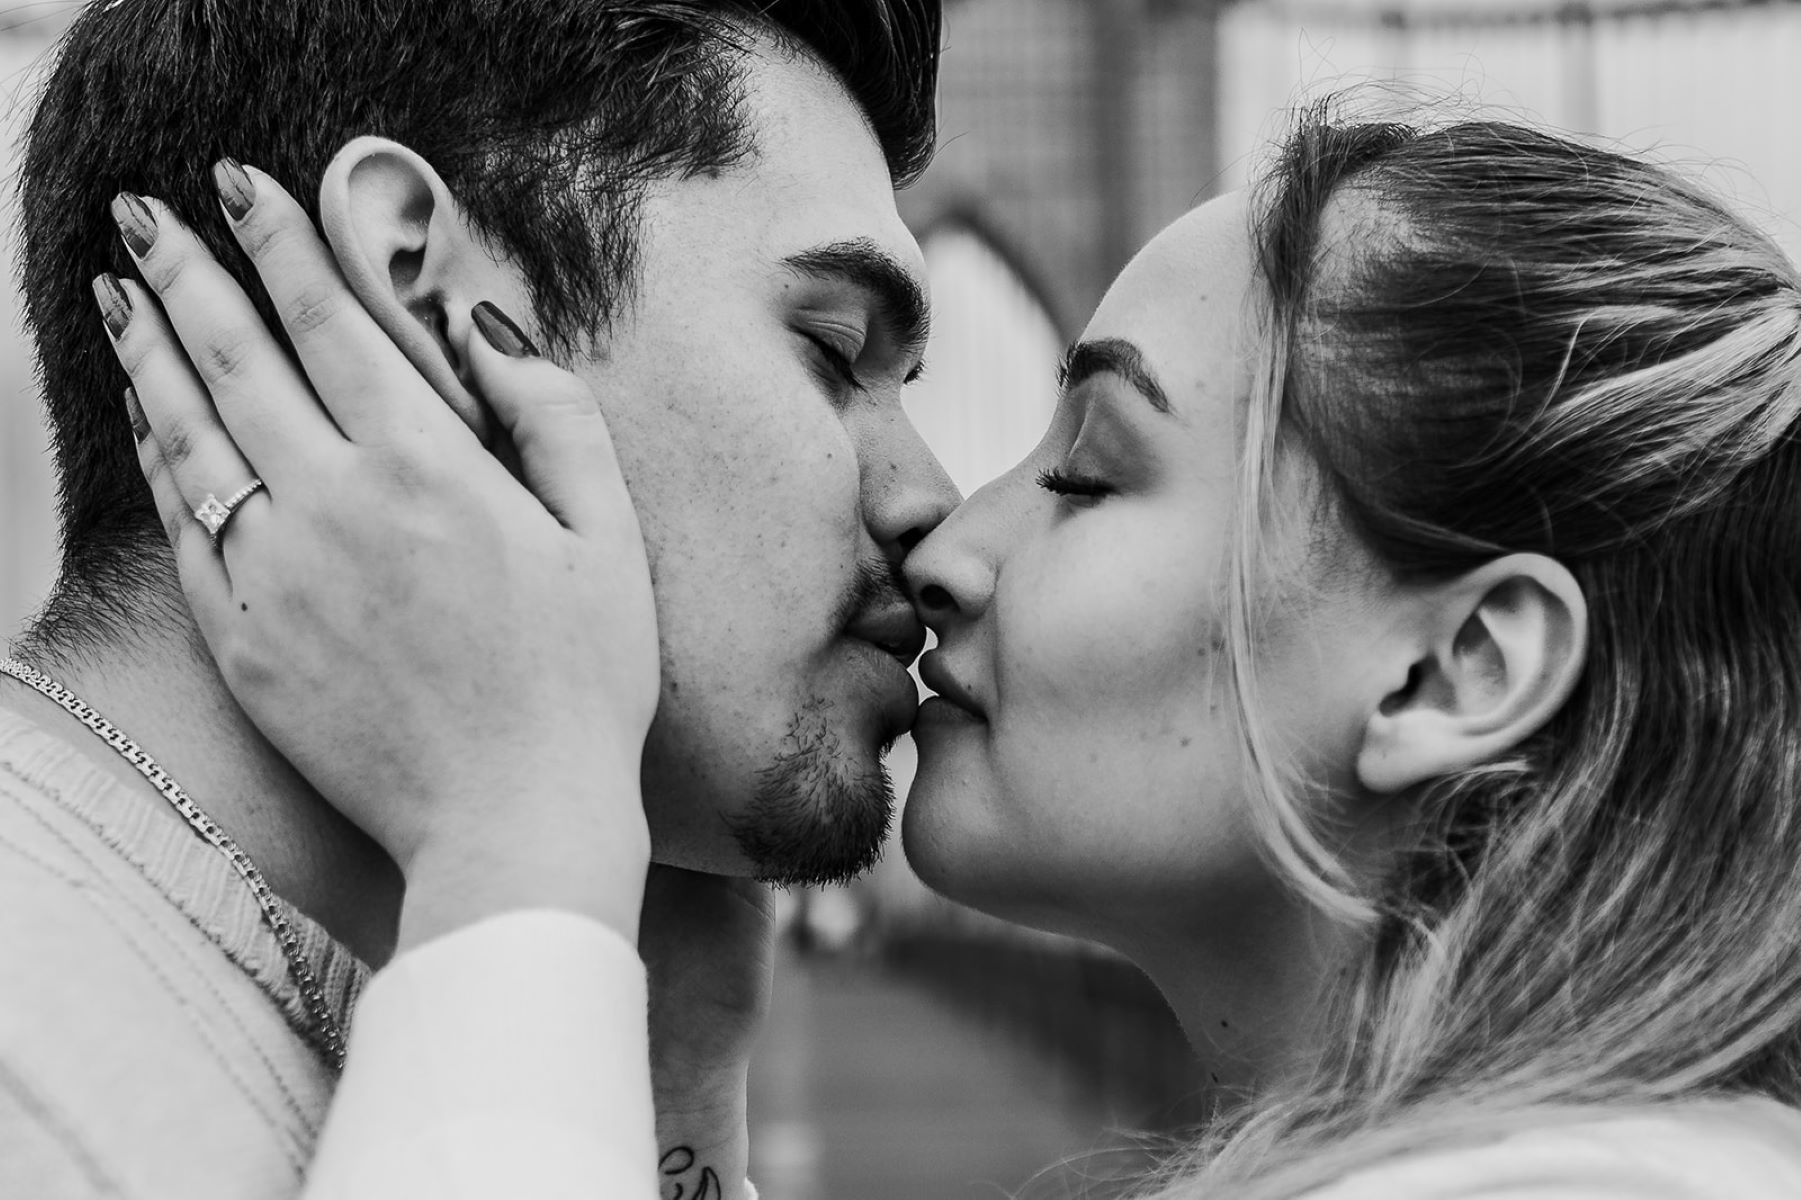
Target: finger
[(203, 575), (193, 444), (247, 378), (361, 376), (565, 450), (203, 561)]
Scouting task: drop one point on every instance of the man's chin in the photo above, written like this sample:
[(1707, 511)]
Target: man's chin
[(822, 809)]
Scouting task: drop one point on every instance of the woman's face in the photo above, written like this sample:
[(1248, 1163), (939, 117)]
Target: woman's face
[(1083, 770)]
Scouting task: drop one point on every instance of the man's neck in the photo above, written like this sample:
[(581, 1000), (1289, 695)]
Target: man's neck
[(165, 694)]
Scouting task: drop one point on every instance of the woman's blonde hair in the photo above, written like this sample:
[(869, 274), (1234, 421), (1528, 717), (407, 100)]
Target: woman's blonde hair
[(1535, 345)]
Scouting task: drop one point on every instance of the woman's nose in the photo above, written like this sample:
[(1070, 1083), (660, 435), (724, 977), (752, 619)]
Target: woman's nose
[(951, 573)]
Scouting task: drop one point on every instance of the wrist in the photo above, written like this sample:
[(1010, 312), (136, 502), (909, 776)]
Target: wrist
[(584, 856), (703, 1134), (714, 1097)]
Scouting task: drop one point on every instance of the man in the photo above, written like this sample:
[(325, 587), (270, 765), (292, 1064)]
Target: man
[(694, 203)]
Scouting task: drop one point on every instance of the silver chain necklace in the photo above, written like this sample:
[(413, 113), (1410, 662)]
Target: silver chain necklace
[(328, 1033)]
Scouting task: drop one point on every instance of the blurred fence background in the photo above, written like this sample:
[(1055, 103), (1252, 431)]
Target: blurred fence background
[(1072, 131)]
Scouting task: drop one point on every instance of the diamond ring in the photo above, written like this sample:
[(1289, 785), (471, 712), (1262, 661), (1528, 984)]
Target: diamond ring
[(214, 513)]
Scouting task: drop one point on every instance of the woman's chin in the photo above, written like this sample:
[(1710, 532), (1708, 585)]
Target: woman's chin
[(958, 852), (949, 839)]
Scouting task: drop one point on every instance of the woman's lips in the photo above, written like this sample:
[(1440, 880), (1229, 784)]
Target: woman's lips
[(939, 678)]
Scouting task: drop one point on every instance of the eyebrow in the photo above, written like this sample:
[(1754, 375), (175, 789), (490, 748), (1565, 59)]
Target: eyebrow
[(900, 301), (1115, 356)]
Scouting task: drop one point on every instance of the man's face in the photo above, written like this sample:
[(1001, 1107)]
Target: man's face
[(753, 389)]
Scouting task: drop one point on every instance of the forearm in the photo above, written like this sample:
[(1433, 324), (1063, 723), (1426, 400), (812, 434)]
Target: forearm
[(507, 1058)]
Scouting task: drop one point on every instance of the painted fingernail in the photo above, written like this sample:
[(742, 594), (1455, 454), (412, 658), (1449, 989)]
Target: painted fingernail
[(137, 224), (237, 192), (501, 333), (140, 428), (115, 303)]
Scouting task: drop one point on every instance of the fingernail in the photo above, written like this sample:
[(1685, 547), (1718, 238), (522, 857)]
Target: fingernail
[(237, 192), (501, 333), (140, 428), (137, 224), (115, 304)]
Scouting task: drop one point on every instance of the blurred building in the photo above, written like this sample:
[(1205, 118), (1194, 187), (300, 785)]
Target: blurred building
[(1072, 130)]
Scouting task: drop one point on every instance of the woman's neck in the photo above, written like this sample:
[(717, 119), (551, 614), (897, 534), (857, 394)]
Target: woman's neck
[(1251, 991)]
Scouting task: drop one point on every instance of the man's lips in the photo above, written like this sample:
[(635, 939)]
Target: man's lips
[(895, 630), (938, 677)]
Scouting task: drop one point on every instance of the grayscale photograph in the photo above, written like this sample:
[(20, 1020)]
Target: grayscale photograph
[(900, 600)]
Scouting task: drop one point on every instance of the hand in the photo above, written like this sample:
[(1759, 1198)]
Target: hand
[(466, 666), (708, 942)]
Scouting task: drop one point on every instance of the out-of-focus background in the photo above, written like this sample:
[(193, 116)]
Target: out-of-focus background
[(918, 1049)]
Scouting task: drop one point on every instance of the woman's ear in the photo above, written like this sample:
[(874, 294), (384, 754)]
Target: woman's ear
[(411, 257), (1498, 650)]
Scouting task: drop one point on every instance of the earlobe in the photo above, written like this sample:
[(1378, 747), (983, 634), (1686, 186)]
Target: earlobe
[(409, 255), (1498, 652)]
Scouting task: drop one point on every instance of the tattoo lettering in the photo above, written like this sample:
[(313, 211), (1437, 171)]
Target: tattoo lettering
[(678, 1167)]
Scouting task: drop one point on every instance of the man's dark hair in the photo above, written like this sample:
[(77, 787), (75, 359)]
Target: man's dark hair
[(546, 119)]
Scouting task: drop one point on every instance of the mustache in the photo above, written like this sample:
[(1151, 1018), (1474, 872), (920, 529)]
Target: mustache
[(876, 583)]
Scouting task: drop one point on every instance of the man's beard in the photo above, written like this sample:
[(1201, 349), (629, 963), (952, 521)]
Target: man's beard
[(818, 815)]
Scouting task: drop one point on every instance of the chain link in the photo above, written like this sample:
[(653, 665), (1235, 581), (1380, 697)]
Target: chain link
[(328, 1033)]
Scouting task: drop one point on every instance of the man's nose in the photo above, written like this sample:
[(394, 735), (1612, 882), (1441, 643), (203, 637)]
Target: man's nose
[(906, 492)]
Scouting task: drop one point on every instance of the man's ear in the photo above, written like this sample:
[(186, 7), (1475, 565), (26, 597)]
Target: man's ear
[(1495, 652), (412, 258)]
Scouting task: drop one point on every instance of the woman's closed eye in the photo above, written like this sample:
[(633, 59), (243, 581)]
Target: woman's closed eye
[(1076, 487)]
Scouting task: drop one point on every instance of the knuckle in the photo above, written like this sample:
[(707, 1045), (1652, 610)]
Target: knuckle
[(314, 306), (166, 266), (401, 470), (223, 356), (570, 394), (260, 235), (134, 350), (176, 439)]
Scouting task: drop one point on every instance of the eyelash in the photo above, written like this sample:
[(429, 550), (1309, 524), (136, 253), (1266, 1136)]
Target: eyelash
[(1068, 484), (838, 361)]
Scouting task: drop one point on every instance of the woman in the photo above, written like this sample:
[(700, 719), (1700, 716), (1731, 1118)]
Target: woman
[(1390, 646)]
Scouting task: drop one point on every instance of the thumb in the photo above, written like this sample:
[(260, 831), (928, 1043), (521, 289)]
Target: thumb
[(565, 450)]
